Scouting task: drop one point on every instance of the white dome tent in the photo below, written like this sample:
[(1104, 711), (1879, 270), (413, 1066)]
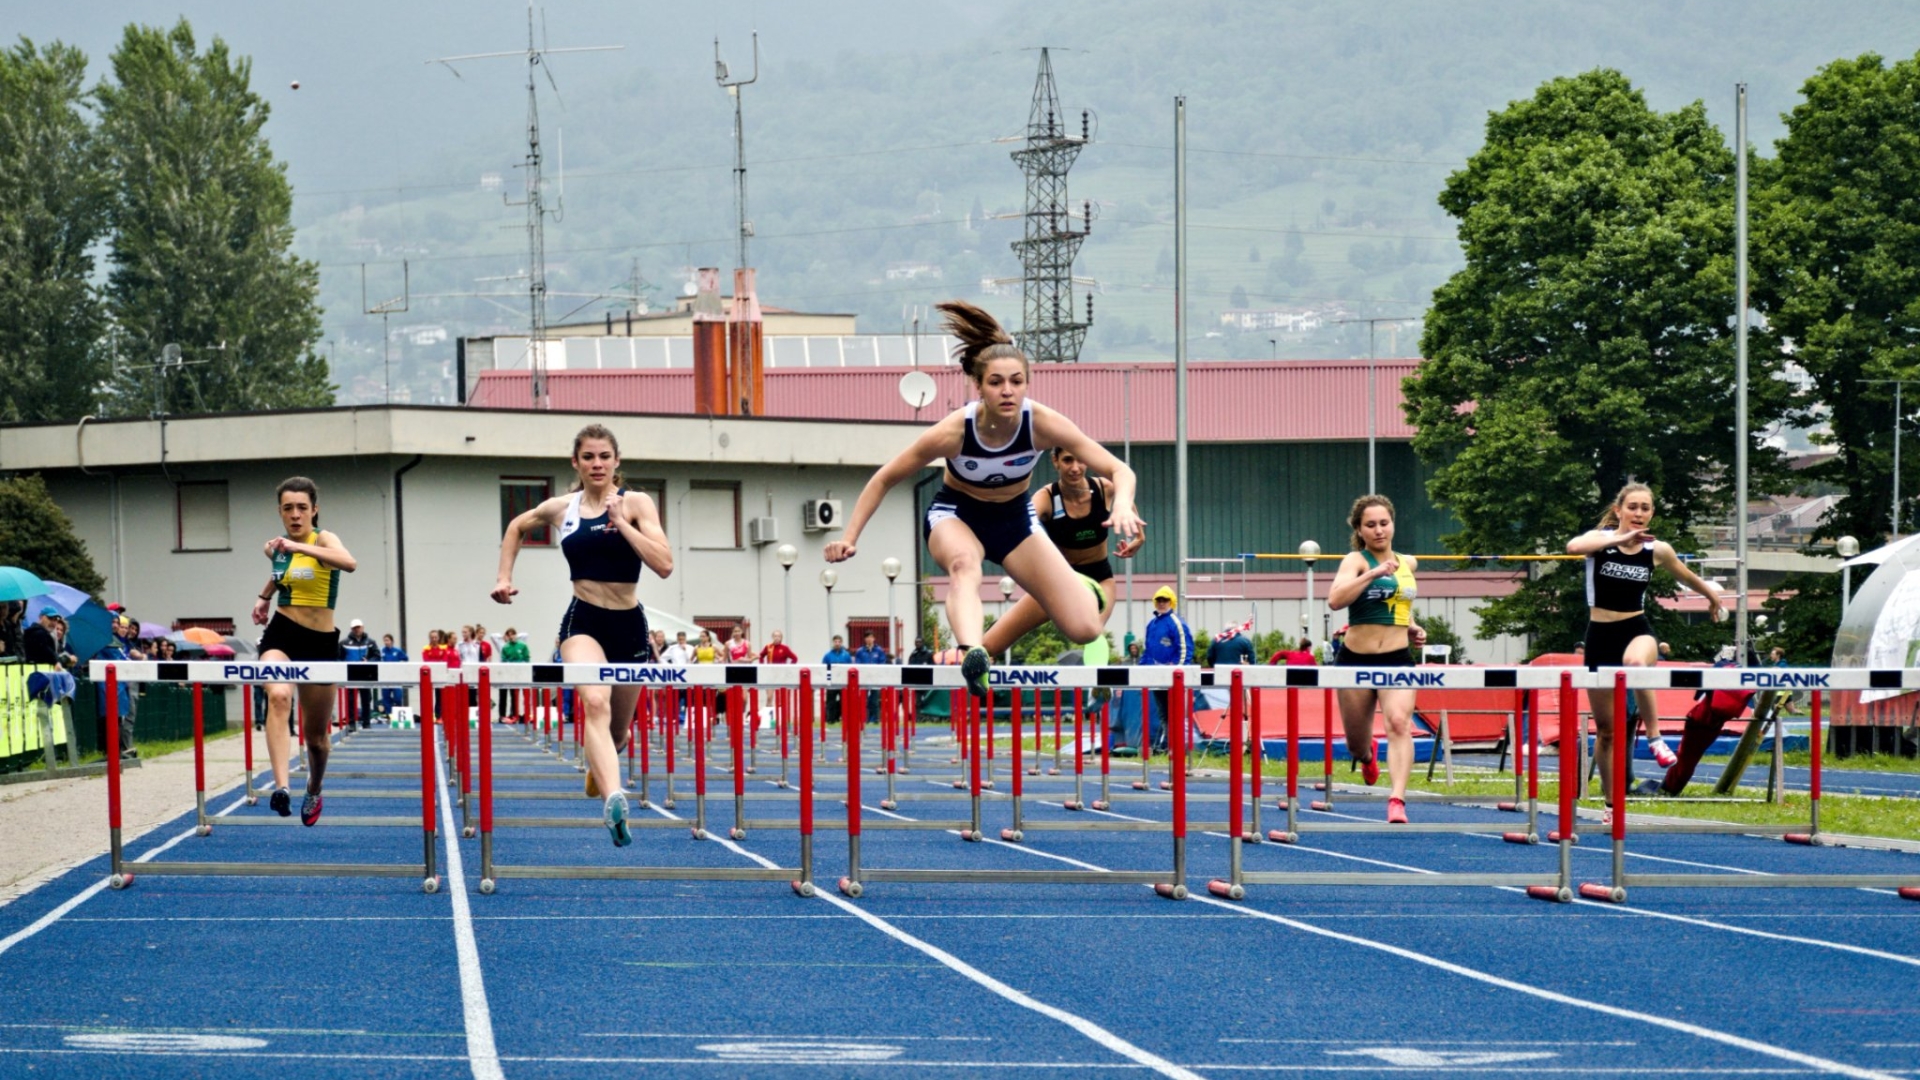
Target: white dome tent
[(1881, 629)]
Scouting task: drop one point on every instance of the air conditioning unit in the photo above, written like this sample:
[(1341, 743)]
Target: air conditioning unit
[(763, 530), (822, 515)]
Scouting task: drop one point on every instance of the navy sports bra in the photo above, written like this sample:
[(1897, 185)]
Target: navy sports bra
[(1617, 581), (594, 548), (1072, 533), (991, 467)]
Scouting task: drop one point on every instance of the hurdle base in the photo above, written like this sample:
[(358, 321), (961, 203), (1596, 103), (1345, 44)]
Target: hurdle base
[(1226, 890), (1508, 807), (120, 881), (1551, 893), (1555, 837), (1905, 893), (889, 804), (737, 833), (1808, 839), (1282, 836), (1012, 836), (850, 888), (1319, 805), (1610, 894), (959, 785), (971, 836), (486, 886), (1519, 838), (1171, 892), (1166, 785), (802, 888), (1099, 804), (1071, 804)]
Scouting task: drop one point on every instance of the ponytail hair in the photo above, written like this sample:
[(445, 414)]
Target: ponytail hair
[(982, 338), (1360, 507), (1611, 518), (597, 431)]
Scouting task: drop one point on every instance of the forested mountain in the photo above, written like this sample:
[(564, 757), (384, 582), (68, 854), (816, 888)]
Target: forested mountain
[(1320, 134)]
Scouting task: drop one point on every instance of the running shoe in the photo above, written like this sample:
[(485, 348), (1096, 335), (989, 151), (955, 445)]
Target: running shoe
[(1396, 811), (615, 816), (1663, 754), (310, 809), (1370, 769), (1648, 788), (973, 668), (282, 802)]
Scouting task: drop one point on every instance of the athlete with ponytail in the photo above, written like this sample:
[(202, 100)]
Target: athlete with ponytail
[(981, 511), (1378, 586), (607, 534), (1621, 555)]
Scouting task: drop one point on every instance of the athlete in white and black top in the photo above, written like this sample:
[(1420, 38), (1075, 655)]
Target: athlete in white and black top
[(607, 534), (1073, 512), (1621, 555), (981, 512)]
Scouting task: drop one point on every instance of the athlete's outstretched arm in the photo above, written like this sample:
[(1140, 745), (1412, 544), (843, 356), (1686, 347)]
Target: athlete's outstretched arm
[(939, 441), (641, 526), (547, 513), (1052, 429), (1663, 555), (1597, 540)]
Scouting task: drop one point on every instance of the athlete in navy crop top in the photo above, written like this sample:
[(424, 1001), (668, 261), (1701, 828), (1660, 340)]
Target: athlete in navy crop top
[(1073, 511), (1621, 555), (981, 513), (607, 534)]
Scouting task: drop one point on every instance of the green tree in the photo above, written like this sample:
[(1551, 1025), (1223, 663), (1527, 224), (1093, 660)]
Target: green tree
[(1588, 340), (53, 203), (1838, 236), (1441, 632), (203, 232), (36, 535)]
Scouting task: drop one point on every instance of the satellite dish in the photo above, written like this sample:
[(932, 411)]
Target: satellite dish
[(918, 389), (170, 354)]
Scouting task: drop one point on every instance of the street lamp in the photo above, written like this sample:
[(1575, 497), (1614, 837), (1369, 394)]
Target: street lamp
[(890, 566), (788, 555), (1310, 552), (1849, 547), (1006, 597), (1275, 343), (828, 579)]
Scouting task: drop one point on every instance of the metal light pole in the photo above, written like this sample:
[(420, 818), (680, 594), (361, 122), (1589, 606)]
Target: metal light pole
[(1740, 633), (788, 555), (1312, 552), (890, 566), (1006, 597), (1179, 346), (1373, 471), (828, 579), (1849, 547)]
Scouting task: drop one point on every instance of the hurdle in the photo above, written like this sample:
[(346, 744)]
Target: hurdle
[(199, 672), (1169, 883), (1233, 886), (1907, 886), (799, 878)]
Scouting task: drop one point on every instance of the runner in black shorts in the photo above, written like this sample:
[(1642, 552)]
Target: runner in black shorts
[(1073, 511), (1379, 587), (1621, 555), (607, 534), (307, 564), (982, 512)]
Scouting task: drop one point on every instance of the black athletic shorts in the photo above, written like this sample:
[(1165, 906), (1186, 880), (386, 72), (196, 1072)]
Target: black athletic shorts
[(622, 634), (1390, 658), (298, 642), (1607, 641), (1098, 571), (1000, 527)]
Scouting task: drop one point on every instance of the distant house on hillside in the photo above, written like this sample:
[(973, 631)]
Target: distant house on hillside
[(913, 271), (1286, 322)]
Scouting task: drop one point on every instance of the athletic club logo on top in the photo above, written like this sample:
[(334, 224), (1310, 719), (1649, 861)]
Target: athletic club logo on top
[(1625, 571)]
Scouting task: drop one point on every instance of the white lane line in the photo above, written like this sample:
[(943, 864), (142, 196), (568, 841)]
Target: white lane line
[(1782, 1053), (1088, 1028), (94, 889), (481, 1052)]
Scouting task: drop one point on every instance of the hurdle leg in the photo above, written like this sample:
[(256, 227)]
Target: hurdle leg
[(1106, 756), (803, 886), (1055, 770), (246, 735), (890, 739), (670, 732), (1812, 835), (736, 698), (205, 824), (852, 711), (699, 765), (1569, 769), (1177, 765), (486, 791), (752, 720), (430, 879), (1291, 803), (1330, 711), (783, 719), (1614, 891), (1079, 797), (117, 877), (1255, 834), (973, 725), (1018, 832), (1232, 888)]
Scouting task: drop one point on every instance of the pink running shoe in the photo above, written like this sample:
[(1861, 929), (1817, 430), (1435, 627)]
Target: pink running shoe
[(1370, 769), (1396, 811), (1663, 754)]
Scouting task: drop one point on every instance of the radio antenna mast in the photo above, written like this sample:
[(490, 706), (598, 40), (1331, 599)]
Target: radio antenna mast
[(535, 54), (1050, 333), (739, 140)]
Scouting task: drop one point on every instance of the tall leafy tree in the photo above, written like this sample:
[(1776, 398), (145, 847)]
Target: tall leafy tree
[(203, 232), (53, 203), (1839, 231), (1588, 341), (37, 535)]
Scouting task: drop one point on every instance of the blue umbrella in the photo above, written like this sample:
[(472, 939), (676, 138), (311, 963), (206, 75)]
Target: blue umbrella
[(89, 629), (62, 598), (18, 584)]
